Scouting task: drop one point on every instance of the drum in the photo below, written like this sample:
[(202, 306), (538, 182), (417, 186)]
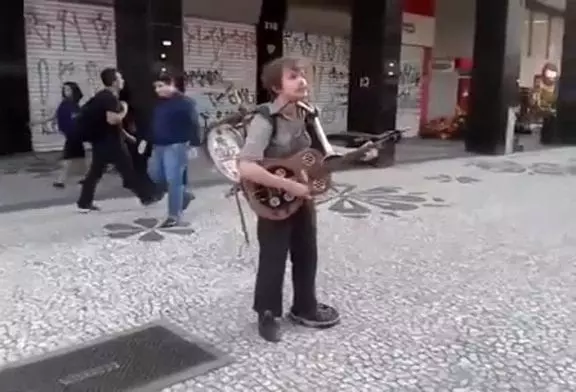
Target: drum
[(223, 144)]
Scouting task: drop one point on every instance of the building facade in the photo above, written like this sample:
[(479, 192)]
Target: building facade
[(220, 44), (542, 31)]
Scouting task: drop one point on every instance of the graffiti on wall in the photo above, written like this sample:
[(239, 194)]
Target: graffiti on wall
[(72, 43), (220, 66), (409, 89), (329, 70)]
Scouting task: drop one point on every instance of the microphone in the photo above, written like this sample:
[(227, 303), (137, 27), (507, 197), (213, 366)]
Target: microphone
[(311, 110)]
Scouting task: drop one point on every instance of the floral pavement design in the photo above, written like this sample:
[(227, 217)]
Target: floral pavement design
[(351, 202), (445, 178), (512, 167), (146, 229)]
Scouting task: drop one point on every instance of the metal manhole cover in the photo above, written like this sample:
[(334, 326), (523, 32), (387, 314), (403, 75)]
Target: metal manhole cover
[(148, 359)]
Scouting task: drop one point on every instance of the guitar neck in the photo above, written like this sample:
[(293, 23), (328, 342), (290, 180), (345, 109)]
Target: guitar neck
[(338, 162)]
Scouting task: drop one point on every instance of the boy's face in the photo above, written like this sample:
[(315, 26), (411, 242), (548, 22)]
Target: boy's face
[(294, 84), (164, 89)]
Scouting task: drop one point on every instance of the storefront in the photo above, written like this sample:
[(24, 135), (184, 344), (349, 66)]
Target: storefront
[(219, 58), (219, 50), (327, 46), (68, 41), (64, 42), (541, 30), (541, 43)]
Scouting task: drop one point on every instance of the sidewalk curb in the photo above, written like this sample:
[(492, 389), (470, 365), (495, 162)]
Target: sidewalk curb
[(118, 193)]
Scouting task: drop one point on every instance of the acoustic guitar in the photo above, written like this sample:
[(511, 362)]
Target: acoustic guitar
[(309, 167)]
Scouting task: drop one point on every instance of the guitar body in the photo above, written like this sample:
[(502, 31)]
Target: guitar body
[(306, 167)]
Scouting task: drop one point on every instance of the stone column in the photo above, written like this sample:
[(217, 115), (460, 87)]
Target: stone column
[(374, 65), (148, 38), (565, 132), (494, 85), (269, 38), (15, 134)]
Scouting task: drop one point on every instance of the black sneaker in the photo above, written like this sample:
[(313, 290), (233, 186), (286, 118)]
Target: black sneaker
[(152, 200), (188, 197), (324, 317), (269, 327), (169, 222), (59, 185), (89, 208)]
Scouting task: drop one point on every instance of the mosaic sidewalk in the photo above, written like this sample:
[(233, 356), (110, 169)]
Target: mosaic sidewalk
[(450, 276)]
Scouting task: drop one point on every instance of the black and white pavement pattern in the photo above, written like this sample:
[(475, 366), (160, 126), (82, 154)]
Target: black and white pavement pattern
[(453, 276)]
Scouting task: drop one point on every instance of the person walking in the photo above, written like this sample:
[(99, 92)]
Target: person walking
[(175, 129), (73, 152), (100, 122)]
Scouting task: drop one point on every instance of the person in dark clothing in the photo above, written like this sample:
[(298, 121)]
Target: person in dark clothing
[(175, 128), (133, 125), (285, 79), (66, 117), (101, 119)]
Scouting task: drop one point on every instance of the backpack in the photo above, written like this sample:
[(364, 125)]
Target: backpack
[(85, 129), (264, 111)]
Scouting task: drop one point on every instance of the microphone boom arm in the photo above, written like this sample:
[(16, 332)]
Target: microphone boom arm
[(313, 112)]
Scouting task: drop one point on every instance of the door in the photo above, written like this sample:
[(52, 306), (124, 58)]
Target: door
[(410, 89), (64, 42), (219, 58)]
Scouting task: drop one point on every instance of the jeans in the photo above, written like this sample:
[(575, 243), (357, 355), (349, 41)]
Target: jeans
[(297, 236), (113, 150), (167, 167)]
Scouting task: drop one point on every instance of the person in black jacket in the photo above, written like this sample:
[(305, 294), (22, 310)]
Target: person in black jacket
[(135, 127), (100, 120)]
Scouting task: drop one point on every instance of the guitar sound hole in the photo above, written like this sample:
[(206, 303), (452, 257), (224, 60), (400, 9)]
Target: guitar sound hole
[(308, 160), (280, 172), (275, 202), (319, 185), (275, 199)]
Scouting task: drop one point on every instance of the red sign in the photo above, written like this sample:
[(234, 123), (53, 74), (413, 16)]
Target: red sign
[(420, 7)]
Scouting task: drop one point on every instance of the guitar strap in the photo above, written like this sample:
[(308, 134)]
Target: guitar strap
[(264, 111), (235, 191)]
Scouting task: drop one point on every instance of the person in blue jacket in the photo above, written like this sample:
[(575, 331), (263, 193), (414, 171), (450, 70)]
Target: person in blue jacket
[(175, 129), (65, 117)]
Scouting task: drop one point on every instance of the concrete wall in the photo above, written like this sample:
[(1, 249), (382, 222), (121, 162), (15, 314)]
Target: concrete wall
[(454, 28)]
